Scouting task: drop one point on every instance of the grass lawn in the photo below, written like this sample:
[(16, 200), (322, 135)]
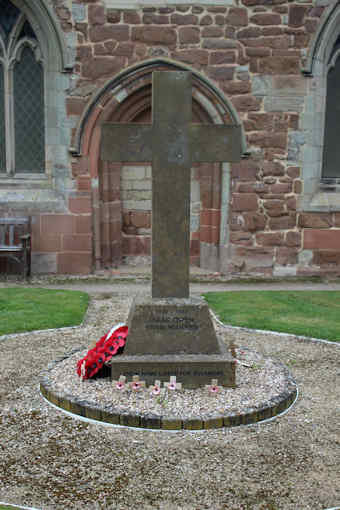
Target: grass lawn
[(24, 309), (307, 313)]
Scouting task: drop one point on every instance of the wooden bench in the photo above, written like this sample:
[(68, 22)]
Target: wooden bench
[(15, 242)]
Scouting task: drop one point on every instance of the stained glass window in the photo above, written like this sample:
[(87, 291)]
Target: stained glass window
[(2, 122), (28, 114)]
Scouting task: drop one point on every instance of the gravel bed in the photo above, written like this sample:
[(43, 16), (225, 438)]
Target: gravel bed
[(258, 380), (53, 462)]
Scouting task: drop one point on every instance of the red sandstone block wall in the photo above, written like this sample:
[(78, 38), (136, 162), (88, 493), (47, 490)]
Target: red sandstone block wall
[(232, 46)]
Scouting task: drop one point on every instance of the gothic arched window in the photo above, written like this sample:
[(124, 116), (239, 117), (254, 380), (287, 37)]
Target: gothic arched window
[(331, 151), (22, 118)]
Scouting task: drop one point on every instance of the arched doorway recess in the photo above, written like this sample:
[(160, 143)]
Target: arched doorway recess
[(122, 192)]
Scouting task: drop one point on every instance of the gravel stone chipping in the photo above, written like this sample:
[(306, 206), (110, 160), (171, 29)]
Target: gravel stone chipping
[(51, 461), (258, 381)]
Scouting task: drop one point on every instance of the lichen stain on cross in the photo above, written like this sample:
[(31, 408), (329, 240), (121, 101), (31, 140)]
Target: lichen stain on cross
[(172, 143)]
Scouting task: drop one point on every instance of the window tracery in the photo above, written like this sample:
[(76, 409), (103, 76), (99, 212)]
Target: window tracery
[(22, 123)]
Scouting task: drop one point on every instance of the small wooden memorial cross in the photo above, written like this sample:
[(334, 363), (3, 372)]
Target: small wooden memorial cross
[(172, 144)]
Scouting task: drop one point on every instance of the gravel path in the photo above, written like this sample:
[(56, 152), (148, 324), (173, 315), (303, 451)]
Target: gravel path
[(51, 461)]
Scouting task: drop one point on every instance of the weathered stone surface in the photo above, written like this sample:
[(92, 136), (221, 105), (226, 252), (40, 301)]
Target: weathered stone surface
[(170, 326), (265, 139), (266, 18), (222, 57), (102, 66), (212, 32), (293, 239), (311, 25), (254, 222), (244, 202), (74, 263), (220, 19), (206, 20), (284, 104), (293, 172), (189, 35), (327, 239), (258, 52), (192, 371), (286, 256), (279, 65), (103, 33), (237, 16), (291, 203), (269, 238), (96, 14), (283, 222), (131, 18), (246, 170), (155, 19), (113, 16), (281, 187), (242, 238), (272, 167), (154, 35), (326, 258), (57, 223), (221, 73), (236, 87), (251, 187), (310, 220), (184, 19), (218, 44), (192, 56), (249, 32), (246, 103), (297, 186), (173, 337), (272, 30), (254, 257)]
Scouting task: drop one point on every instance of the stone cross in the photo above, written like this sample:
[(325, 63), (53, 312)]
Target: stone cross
[(172, 144)]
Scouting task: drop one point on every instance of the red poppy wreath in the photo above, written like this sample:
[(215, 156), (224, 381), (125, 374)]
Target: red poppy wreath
[(109, 345)]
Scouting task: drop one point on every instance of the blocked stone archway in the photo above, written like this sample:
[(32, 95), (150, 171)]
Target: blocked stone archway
[(122, 193)]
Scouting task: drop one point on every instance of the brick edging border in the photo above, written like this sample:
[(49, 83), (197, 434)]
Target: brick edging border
[(269, 409)]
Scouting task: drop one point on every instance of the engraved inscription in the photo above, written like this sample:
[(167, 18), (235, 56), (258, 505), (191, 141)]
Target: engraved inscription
[(176, 372), (163, 321)]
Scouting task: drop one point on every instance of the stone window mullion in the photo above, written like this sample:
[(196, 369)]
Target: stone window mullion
[(3, 168), (9, 120)]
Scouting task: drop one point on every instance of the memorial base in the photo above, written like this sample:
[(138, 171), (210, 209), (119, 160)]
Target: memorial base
[(193, 371), (174, 337)]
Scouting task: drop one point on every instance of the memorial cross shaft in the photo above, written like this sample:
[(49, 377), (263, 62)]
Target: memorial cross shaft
[(172, 144)]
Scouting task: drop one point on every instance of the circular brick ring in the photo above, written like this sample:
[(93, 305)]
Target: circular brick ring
[(270, 409)]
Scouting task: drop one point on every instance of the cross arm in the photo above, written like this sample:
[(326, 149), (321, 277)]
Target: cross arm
[(126, 142), (211, 143)]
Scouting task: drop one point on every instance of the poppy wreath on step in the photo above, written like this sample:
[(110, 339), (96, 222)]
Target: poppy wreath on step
[(107, 346)]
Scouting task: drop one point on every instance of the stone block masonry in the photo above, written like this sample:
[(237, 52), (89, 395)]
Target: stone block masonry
[(67, 241), (253, 53)]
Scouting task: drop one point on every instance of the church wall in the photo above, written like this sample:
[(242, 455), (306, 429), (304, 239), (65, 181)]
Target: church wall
[(253, 52)]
